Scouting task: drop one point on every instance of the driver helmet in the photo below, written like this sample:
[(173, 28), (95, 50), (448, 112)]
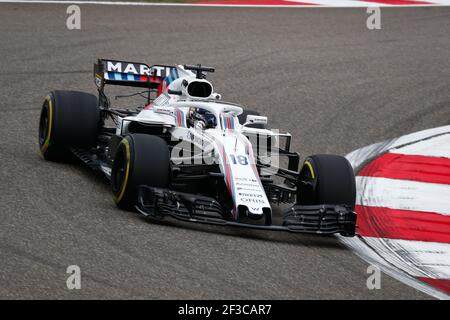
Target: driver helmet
[(202, 118)]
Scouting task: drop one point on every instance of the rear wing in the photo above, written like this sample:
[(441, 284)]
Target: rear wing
[(133, 74)]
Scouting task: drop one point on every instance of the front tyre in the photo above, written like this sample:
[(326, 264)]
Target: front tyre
[(68, 119), (327, 179), (140, 159)]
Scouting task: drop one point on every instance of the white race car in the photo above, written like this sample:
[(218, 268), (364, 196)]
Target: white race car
[(187, 154)]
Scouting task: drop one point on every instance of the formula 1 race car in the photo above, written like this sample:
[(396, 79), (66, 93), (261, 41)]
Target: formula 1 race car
[(186, 154)]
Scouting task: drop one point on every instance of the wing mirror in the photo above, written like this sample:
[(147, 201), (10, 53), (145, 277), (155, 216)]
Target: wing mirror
[(253, 119)]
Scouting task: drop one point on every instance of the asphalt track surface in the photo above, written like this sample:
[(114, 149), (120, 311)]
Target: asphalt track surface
[(318, 73)]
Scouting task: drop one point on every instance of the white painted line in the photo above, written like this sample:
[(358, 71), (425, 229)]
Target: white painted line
[(403, 195), (421, 135), (159, 4), (434, 147), (360, 156), (441, 2)]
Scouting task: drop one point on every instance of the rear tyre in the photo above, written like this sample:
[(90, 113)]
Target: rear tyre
[(243, 117), (139, 160), (327, 179), (68, 119)]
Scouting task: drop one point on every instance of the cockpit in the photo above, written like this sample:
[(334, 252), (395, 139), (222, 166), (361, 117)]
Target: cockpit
[(200, 118)]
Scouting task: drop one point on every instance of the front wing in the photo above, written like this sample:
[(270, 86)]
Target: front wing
[(159, 203)]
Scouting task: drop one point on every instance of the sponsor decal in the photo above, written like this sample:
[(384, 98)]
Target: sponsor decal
[(136, 68), (251, 195), (252, 200), (164, 110)]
